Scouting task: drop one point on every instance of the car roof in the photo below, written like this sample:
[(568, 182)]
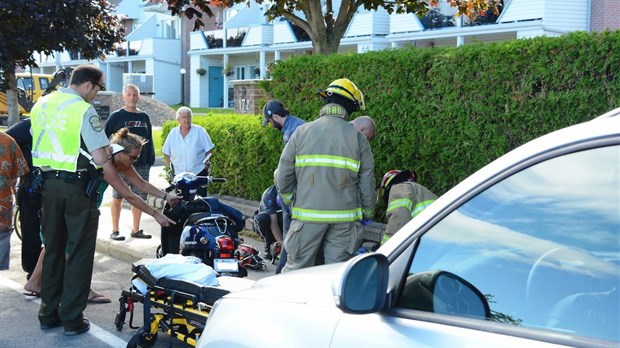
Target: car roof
[(612, 113)]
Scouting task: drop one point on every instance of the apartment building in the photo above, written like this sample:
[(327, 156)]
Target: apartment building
[(199, 68)]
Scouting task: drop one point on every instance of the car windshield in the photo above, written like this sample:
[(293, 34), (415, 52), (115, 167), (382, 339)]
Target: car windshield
[(539, 243)]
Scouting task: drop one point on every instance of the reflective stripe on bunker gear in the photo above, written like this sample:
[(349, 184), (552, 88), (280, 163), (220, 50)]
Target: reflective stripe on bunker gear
[(408, 204), (400, 203), (421, 206), (366, 212), (333, 216), (318, 160), (287, 198), (56, 126)]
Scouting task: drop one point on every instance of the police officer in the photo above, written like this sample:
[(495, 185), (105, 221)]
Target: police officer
[(404, 198), (326, 173), (67, 137)]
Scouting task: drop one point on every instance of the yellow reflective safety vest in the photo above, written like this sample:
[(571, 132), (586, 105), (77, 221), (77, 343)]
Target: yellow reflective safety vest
[(326, 171), (56, 125), (406, 200)]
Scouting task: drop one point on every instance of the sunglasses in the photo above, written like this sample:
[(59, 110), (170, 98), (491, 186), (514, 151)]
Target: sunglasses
[(133, 158), (102, 87)]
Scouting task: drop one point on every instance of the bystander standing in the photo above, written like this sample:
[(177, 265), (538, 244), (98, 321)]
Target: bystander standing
[(187, 146), (12, 166), (281, 119), (137, 122)]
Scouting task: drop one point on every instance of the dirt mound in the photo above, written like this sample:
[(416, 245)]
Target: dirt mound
[(157, 111)]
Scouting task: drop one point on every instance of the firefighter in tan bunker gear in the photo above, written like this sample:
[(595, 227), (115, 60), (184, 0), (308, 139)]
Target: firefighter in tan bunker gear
[(404, 198), (326, 172)]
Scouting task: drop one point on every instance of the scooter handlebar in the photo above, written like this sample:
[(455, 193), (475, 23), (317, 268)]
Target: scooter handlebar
[(218, 180)]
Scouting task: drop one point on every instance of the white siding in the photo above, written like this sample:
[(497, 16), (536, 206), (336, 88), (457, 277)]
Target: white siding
[(381, 22), (114, 77), (197, 40), (248, 15), (145, 30), (405, 23), (168, 50), (166, 82), (283, 33), (259, 35), (366, 23), (197, 89), (372, 46), (530, 33), (361, 25), (522, 10), (566, 15)]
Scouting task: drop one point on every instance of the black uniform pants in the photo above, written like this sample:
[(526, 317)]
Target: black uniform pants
[(30, 225), (69, 221)]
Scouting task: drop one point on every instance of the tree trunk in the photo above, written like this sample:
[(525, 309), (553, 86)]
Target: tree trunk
[(11, 97), (325, 44)]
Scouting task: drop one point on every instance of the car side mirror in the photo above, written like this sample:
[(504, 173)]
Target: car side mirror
[(444, 293), (360, 286)]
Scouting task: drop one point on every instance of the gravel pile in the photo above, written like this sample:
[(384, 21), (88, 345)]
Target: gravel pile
[(157, 111)]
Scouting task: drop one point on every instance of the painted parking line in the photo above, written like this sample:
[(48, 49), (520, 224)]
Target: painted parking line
[(95, 331)]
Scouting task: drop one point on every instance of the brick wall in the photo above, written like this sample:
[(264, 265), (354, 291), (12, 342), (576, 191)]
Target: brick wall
[(248, 97), (605, 15)]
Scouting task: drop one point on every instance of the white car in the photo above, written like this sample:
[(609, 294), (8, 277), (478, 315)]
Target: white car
[(523, 253)]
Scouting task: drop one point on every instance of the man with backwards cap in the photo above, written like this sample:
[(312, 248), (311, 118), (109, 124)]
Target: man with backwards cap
[(326, 174), (281, 119)]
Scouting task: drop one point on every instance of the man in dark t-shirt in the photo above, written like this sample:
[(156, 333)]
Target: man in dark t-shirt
[(139, 123)]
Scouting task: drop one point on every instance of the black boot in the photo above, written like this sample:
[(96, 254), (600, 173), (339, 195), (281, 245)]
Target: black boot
[(267, 253)]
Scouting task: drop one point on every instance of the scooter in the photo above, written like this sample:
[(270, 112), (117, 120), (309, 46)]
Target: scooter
[(206, 228)]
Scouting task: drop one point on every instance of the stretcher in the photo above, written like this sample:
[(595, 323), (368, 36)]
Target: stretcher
[(178, 308)]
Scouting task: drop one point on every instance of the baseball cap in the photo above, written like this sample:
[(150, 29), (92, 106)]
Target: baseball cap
[(273, 107)]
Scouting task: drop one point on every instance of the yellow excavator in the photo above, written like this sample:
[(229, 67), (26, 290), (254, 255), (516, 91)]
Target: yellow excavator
[(31, 87)]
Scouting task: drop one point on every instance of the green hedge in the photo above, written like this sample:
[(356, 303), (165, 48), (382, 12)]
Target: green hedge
[(443, 112), (245, 153), (448, 112)]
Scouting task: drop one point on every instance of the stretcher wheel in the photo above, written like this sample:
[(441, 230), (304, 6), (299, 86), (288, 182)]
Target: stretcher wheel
[(119, 321), (142, 338)]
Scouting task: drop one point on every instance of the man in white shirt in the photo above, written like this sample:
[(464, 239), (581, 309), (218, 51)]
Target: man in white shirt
[(187, 145)]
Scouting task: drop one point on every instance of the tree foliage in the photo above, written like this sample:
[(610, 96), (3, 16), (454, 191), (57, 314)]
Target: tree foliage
[(320, 22), (89, 27)]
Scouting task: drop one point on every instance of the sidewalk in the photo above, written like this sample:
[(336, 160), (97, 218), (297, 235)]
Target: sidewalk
[(133, 249)]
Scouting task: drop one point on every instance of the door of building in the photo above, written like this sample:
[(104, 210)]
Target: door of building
[(216, 87)]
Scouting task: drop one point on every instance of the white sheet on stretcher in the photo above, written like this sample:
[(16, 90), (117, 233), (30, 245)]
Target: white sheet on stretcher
[(188, 268)]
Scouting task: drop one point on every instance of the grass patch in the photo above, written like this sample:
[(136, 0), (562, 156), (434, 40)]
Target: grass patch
[(158, 142)]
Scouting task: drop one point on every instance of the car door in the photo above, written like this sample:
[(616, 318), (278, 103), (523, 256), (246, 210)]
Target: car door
[(539, 248)]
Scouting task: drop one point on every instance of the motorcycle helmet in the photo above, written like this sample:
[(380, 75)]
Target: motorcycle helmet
[(248, 257), (347, 89), (394, 177)]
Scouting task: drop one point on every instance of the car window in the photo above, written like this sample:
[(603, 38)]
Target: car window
[(542, 247)]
